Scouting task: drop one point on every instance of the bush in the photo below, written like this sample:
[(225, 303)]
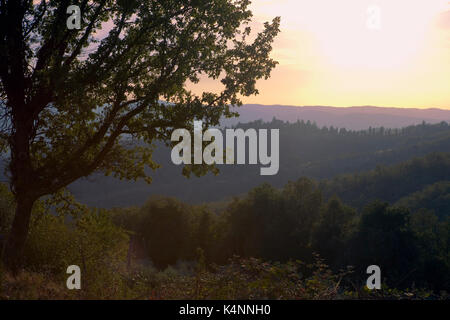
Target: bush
[(90, 241), (243, 278)]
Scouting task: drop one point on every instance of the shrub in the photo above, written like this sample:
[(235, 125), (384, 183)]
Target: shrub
[(90, 241)]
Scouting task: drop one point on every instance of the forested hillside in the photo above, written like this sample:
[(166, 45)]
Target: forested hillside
[(306, 240), (339, 151), (435, 197), (357, 197), (351, 118), (409, 240), (114, 115), (412, 183)]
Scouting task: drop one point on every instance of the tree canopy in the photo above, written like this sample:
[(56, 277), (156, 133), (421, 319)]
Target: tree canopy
[(69, 97)]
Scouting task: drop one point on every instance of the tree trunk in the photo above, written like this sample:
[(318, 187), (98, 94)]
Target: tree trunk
[(13, 250)]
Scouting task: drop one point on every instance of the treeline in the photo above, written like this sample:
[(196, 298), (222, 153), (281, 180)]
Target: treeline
[(305, 150), (435, 197), (411, 245), (420, 181), (408, 238)]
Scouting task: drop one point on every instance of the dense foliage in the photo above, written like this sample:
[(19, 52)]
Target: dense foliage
[(410, 244), (295, 243), (338, 152), (68, 97)]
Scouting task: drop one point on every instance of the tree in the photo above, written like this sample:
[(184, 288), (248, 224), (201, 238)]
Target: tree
[(302, 200), (385, 238), (203, 234), (71, 97), (165, 229), (334, 228)]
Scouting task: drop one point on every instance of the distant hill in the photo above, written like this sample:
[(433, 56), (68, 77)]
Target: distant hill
[(305, 150), (434, 197), (353, 118), (418, 183)]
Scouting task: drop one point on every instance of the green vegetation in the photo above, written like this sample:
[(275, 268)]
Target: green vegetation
[(435, 197), (69, 98), (392, 183), (410, 244), (306, 150), (289, 243), (76, 103)]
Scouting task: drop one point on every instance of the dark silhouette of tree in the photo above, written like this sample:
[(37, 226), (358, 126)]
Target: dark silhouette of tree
[(435, 196), (335, 227), (385, 236), (433, 242), (70, 97), (203, 234), (410, 246), (164, 227)]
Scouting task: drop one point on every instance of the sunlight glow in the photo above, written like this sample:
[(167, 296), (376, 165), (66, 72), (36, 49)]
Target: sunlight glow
[(329, 56)]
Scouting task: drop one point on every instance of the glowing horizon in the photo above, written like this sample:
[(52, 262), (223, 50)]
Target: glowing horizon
[(329, 56)]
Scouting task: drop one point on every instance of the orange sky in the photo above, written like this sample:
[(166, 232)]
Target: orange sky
[(332, 53)]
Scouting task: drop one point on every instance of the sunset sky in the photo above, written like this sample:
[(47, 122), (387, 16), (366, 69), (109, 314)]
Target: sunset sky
[(332, 53)]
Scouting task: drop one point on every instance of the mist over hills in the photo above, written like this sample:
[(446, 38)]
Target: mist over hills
[(352, 118)]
